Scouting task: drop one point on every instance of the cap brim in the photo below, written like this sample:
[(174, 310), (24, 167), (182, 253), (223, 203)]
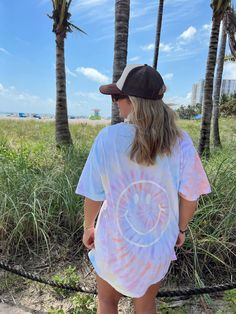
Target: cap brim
[(110, 89)]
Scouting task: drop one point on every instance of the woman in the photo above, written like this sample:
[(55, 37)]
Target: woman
[(149, 177)]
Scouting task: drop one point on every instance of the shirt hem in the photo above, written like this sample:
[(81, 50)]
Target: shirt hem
[(100, 274)]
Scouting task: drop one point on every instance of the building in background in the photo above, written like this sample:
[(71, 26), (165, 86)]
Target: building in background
[(194, 94), (228, 87), (197, 93)]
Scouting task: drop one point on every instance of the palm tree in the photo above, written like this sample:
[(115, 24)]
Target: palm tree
[(158, 33), (217, 87), (219, 7), (61, 26), (231, 31), (122, 10), (228, 27)]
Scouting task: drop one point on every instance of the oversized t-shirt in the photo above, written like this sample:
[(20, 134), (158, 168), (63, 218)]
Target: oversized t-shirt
[(137, 226)]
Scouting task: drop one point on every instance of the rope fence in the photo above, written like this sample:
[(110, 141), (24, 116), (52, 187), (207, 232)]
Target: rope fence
[(173, 293)]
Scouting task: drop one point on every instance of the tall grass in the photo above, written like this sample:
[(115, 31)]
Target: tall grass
[(38, 205)]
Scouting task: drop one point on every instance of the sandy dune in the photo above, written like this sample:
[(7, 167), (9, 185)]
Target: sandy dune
[(85, 121)]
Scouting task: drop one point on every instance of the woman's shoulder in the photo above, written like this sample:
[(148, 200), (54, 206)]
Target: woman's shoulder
[(185, 138), (186, 143), (114, 129)]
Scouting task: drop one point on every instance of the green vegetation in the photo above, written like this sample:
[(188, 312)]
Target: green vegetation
[(10, 281), (228, 105), (39, 208), (81, 303), (165, 309), (69, 277), (38, 205), (230, 296), (85, 304), (189, 112), (94, 117), (227, 108)]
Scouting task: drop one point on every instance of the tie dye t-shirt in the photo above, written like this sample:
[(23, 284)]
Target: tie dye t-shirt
[(137, 226)]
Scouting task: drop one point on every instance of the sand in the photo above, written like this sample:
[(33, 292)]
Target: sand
[(71, 121)]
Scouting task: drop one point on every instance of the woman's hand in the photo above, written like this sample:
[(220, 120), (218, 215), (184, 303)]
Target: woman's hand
[(88, 238), (180, 239)]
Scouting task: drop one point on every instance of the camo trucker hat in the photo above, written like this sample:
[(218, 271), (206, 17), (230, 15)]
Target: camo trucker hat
[(136, 80)]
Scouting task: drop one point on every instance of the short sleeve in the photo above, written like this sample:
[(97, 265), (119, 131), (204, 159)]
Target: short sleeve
[(193, 179), (90, 183)]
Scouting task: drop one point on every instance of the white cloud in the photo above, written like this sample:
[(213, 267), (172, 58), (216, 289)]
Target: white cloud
[(179, 47), (42, 2), (2, 89), (166, 47), (168, 76), (229, 71), (139, 11), (177, 9), (5, 51), (86, 4), (189, 96), (179, 2), (93, 74), (203, 35), (92, 95), (111, 35), (96, 12), (12, 100), (207, 27), (178, 100), (148, 47), (69, 72), (133, 59), (143, 28), (188, 34), (89, 3)]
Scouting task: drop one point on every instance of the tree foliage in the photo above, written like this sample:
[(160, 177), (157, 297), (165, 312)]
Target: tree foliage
[(189, 112), (228, 105), (61, 17)]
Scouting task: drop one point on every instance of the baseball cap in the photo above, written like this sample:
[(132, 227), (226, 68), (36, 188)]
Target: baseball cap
[(140, 80)]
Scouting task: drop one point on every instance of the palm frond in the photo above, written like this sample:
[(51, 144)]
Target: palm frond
[(68, 5), (76, 27), (61, 17), (63, 12), (53, 3), (50, 16), (56, 2), (231, 30), (219, 8), (219, 4)]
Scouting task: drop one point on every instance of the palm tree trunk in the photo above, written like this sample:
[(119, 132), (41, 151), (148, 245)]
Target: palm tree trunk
[(63, 136), (231, 29), (122, 10), (217, 87), (204, 142), (158, 33)]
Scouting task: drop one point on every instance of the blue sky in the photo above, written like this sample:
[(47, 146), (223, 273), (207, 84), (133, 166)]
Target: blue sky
[(27, 51)]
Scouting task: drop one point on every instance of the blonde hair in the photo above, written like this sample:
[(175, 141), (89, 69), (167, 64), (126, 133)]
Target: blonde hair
[(156, 129)]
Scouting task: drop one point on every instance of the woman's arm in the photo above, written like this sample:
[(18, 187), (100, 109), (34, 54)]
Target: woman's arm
[(186, 212), (91, 210)]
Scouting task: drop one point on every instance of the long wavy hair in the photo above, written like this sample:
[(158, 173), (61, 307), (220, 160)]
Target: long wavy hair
[(156, 129)]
